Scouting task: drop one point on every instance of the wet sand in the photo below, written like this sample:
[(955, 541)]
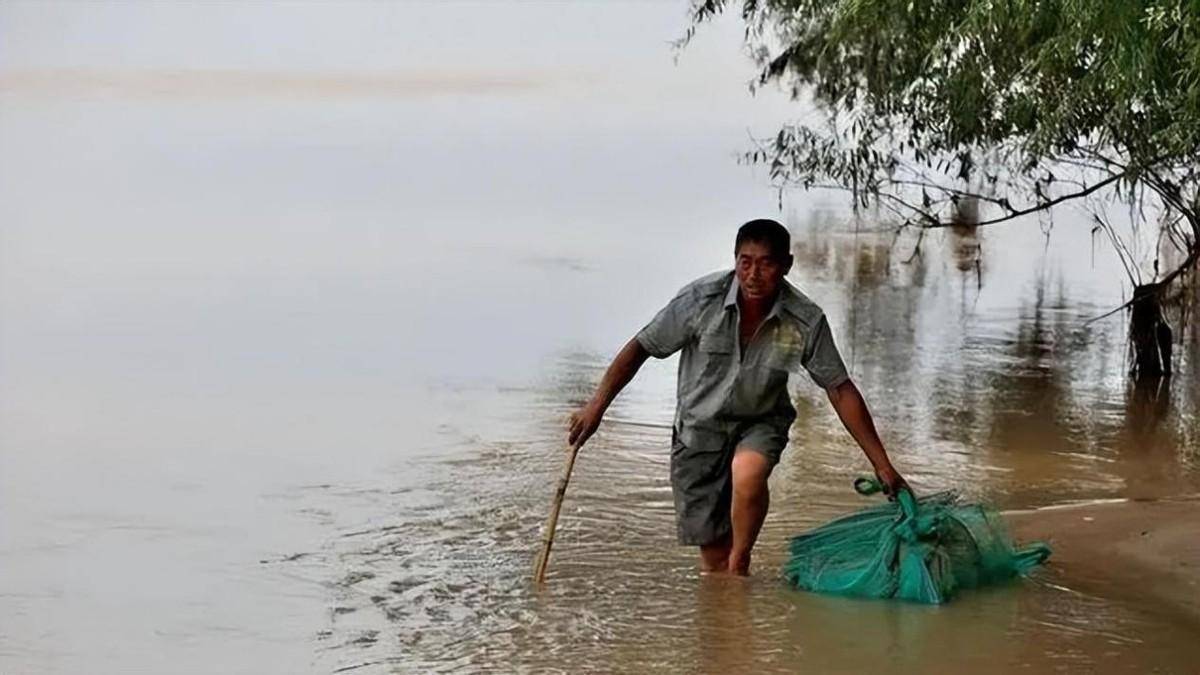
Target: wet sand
[(1143, 551)]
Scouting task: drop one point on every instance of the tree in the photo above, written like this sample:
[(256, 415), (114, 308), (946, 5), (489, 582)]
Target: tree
[(1014, 106)]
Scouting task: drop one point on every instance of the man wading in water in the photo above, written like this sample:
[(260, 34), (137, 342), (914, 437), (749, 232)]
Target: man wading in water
[(742, 332)]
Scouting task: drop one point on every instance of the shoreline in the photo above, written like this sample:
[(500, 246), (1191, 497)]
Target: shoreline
[(1145, 551)]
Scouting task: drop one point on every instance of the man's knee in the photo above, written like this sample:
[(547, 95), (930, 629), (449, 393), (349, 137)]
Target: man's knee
[(751, 469)]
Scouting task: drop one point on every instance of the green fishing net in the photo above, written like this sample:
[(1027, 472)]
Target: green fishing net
[(920, 549)]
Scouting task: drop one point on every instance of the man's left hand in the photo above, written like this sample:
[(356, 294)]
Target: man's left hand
[(892, 481)]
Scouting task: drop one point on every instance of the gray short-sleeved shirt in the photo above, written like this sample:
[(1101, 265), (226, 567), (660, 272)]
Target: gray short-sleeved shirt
[(720, 388)]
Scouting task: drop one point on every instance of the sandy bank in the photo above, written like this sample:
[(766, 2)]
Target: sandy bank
[(1147, 551)]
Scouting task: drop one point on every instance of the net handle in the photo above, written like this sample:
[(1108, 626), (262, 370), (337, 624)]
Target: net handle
[(868, 486)]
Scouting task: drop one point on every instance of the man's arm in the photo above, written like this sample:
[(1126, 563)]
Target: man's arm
[(625, 365), (852, 410)]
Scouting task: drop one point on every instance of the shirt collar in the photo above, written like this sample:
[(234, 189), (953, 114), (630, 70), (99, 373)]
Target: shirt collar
[(731, 295)]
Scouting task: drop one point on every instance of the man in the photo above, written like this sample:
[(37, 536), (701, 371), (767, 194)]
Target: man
[(741, 332)]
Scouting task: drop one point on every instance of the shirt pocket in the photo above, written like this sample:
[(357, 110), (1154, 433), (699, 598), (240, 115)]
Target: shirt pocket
[(785, 358), (715, 348), (785, 350), (716, 341)]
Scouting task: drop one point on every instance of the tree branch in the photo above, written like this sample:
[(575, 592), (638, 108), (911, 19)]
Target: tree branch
[(1043, 205)]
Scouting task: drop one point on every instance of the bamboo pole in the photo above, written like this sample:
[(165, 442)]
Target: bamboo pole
[(539, 569)]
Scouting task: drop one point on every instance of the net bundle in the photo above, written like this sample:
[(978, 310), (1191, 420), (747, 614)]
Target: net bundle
[(923, 550)]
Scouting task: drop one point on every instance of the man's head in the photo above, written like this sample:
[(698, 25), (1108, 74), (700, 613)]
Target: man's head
[(762, 257)]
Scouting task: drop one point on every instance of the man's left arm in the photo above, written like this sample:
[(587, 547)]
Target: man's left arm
[(824, 363), (852, 409)]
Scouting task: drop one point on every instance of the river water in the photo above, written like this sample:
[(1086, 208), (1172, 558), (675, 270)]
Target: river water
[(295, 299)]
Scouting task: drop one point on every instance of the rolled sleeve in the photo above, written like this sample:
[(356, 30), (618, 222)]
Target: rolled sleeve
[(821, 358), (671, 328)]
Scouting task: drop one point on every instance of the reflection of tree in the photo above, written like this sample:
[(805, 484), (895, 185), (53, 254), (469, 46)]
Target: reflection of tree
[(1147, 401), (1160, 411), (1030, 394), (1044, 397), (968, 252), (879, 290), (1189, 394), (851, 254), (1027, 401)]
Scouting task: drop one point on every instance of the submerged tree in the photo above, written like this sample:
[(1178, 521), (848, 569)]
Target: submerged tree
[(1016, 106)]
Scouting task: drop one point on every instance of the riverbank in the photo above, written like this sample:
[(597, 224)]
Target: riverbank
[(1145, 551)]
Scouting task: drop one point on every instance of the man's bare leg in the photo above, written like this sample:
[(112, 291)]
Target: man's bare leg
[(715, 557), (749, 508)]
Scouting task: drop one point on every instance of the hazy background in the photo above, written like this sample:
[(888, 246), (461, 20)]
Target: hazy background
[(275, 278)]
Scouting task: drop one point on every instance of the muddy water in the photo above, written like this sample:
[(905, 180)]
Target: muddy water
[(291, 320), (1004, 394)]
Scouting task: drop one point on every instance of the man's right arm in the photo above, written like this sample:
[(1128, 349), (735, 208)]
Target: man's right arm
[(666, 334), (625, 365)]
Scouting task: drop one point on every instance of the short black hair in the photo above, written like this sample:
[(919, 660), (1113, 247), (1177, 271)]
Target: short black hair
[(765, 231)]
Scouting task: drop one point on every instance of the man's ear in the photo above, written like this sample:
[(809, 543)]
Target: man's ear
[(787, 264)]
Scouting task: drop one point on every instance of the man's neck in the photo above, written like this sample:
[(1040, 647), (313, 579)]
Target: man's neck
[(755, 307)]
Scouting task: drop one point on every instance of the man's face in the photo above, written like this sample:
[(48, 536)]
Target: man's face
[(759, 272)]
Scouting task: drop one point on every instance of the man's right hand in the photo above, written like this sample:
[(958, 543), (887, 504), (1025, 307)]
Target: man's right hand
[(892, 481), (583, 424), (586, 420)]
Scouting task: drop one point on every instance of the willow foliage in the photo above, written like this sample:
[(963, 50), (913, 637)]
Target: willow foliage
[(926, 97)]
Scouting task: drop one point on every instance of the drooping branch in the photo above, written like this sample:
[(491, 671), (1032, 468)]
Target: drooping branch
[(929, 220), (1166, 281)]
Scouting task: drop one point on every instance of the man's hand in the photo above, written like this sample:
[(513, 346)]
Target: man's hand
[(586, 420), (583, 424), (892, 481)]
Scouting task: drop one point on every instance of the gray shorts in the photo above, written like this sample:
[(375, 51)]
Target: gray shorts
[(702, 480)]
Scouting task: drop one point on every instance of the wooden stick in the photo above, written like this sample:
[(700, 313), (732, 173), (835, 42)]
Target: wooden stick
[(539, 570)]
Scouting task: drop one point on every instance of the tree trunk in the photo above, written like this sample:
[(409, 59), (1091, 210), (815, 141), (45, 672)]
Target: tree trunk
[(1149, 333)]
